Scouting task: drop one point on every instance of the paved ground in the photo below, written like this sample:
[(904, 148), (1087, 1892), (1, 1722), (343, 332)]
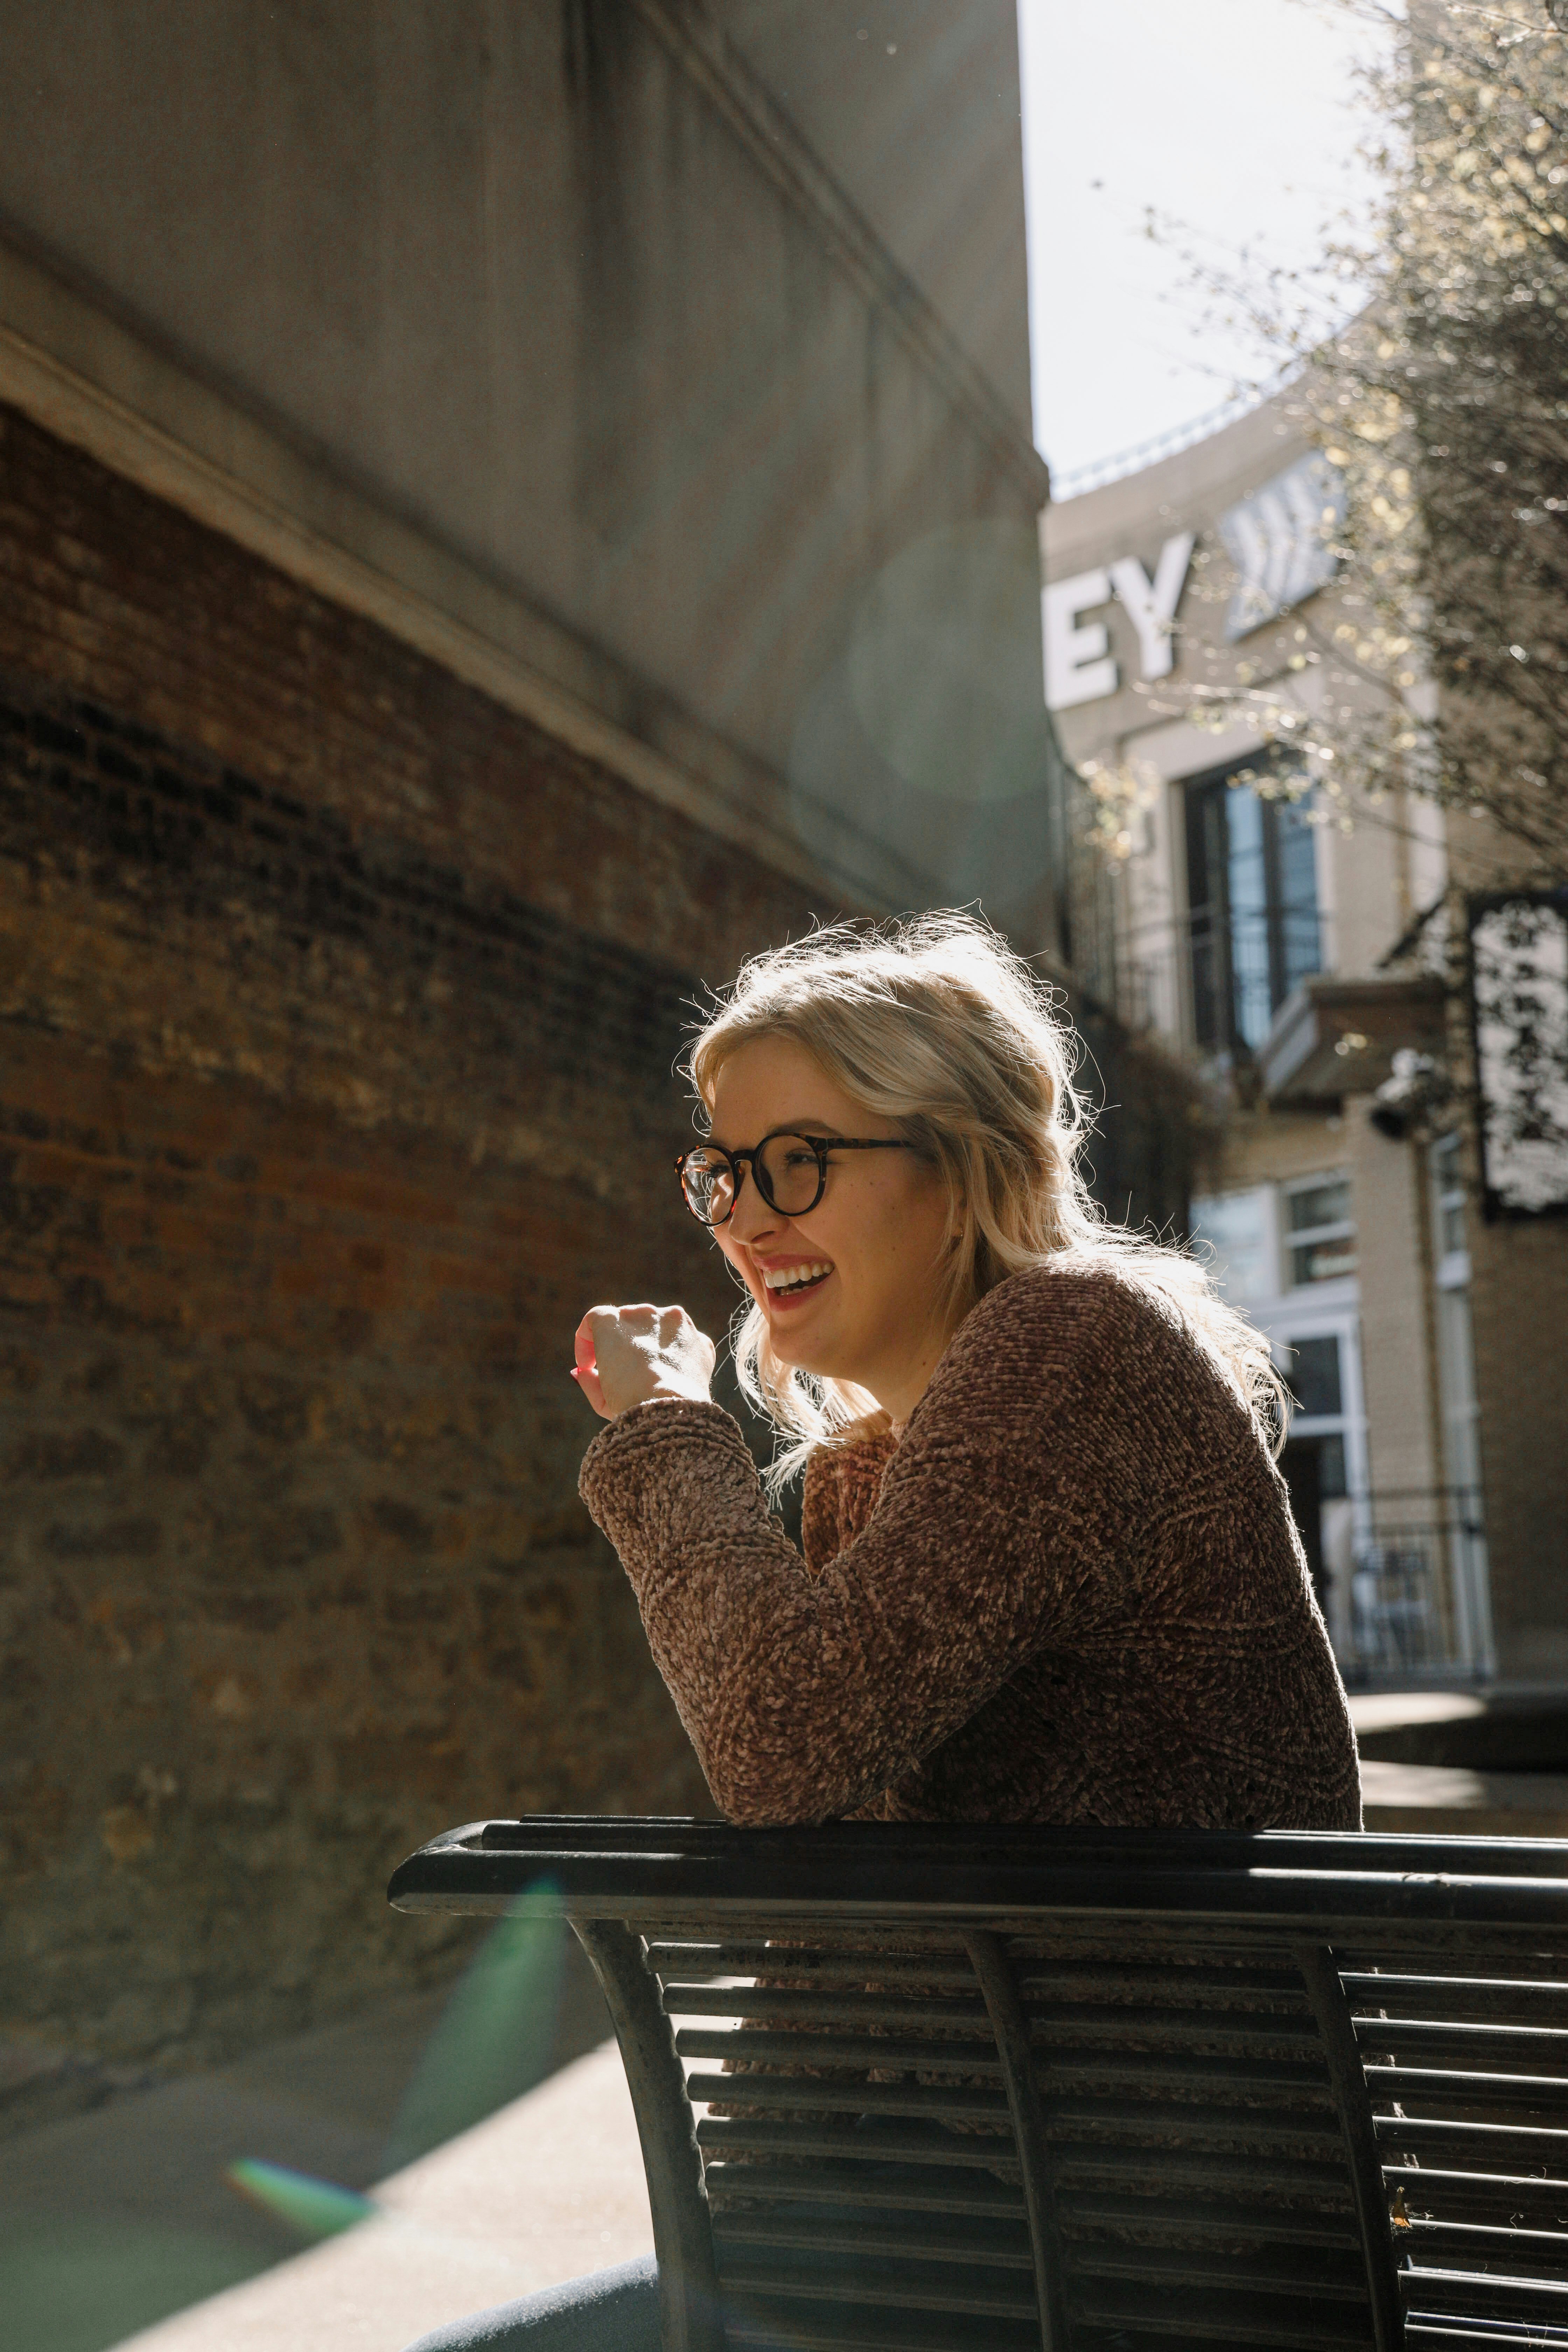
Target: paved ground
[(550, 2187), (112, 2220), (1454, 1800), (1451, 1801)]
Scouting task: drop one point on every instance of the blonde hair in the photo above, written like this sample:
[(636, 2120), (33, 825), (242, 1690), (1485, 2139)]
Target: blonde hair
[(937, 1026)]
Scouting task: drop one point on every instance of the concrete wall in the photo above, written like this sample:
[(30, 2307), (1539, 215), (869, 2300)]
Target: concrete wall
[(913, 105), (559, 286)]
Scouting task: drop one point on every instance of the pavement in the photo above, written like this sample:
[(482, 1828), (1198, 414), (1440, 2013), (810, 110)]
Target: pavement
[(1416, 1776), (124, 2226), (114, 2220), (550, 2187)]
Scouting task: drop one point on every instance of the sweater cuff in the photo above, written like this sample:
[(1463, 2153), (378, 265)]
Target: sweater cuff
[(652, 1427)]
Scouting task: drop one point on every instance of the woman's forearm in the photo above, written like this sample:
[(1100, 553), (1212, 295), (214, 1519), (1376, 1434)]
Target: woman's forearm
[(804, 1696)]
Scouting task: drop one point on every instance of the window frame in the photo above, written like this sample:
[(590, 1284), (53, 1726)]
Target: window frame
[(1214, 977), (1293, 1238), (1451, 1268)]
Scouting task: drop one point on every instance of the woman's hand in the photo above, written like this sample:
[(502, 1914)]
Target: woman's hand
[(627, 1354)]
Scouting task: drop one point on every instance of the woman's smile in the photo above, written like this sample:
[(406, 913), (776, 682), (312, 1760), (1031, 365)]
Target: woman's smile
[(787, 1283)]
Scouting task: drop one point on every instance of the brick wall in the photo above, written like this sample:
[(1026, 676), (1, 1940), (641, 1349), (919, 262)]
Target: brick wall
[(1519, 1302), (337, 1007)]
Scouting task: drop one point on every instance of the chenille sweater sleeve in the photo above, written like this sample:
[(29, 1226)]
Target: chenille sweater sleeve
[(806, 1694)]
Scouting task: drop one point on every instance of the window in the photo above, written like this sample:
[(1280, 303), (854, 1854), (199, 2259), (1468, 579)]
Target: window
[(1448, 1209), (1252, 900), (1319, 1235), (1312, 1369), (1313, 1372), (1456, 1354), (1235, 1227), (1313, 1463)]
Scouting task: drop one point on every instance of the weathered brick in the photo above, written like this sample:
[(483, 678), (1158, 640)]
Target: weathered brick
[(338, 1008)]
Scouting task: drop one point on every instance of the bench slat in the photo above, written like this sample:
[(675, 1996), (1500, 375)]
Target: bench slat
[(748, 2049), (894, 2289), (732, 2186), (857, 2329), (1221, 2318), (956, 2103), (766, 2134), (685, 1999), (1010, 2251)]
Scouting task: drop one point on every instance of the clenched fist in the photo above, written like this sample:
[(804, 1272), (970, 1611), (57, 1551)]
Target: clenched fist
[(627, 1354)]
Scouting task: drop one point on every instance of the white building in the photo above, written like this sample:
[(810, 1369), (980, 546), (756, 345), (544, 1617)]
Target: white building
[(1234, 904)]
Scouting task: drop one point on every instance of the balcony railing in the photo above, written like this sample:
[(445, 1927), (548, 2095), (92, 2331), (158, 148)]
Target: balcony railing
[(1155, 974)]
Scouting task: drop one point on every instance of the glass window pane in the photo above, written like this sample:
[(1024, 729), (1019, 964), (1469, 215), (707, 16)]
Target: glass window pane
[(1205, 906), (1298, 893), (1321, 1261), (1253, 904), (1313, 1372), (1233, 1226), (1326, 1203), (1246, 880)]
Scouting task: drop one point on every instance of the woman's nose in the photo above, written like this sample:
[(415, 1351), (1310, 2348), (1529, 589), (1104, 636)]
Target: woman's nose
[(750, 1216)]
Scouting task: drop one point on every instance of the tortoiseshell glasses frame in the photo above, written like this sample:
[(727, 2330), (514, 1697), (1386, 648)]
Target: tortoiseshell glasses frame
[(701, 1169)]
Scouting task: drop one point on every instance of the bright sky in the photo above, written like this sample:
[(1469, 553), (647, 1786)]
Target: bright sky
[(1237, 116)]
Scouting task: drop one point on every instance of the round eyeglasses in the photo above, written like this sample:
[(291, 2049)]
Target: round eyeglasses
[(791, 1172)]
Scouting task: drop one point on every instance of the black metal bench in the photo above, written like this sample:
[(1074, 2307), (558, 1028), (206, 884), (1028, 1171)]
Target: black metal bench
[(1013, 2088)]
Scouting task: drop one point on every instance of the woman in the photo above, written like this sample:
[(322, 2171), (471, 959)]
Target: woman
[(1050, 1573)]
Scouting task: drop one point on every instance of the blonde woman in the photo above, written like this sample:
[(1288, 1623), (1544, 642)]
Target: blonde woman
[(1049, 1571)]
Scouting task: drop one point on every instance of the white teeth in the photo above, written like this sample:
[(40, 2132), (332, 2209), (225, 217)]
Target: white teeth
[(794, 1277)]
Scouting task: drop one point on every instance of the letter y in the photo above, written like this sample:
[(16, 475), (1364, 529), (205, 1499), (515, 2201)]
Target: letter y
[(1152, 604)]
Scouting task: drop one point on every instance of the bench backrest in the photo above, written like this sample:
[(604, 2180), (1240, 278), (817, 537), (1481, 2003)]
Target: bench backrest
[(961, 2090)]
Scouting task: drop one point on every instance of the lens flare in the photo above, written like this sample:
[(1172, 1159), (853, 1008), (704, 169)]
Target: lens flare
[(316, 2209), (496, 2038)]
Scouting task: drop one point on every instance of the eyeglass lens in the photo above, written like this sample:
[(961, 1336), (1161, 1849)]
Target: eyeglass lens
[(788, 1175)]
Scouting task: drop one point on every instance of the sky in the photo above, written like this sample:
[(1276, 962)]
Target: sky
[(1237, 117)]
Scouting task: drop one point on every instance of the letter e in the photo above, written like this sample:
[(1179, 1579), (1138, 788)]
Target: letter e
[(1080, 666)]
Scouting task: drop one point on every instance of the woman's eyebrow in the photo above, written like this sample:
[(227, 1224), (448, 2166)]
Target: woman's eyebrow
[(779, 1127)]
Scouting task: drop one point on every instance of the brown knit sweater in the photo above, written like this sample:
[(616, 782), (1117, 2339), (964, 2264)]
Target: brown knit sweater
[(1071, 1591)]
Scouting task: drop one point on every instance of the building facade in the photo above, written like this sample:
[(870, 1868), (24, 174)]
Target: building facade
[(1295, 944), (484, 494)]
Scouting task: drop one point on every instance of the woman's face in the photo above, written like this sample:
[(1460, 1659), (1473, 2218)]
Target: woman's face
[(874, 1249)]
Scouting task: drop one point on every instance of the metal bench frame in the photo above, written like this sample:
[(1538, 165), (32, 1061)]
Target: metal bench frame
[(1415, 2132)]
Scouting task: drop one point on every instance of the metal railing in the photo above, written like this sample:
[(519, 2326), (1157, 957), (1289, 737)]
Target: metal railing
[(1075, 480), (1190, 978), (1407, 1586)]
